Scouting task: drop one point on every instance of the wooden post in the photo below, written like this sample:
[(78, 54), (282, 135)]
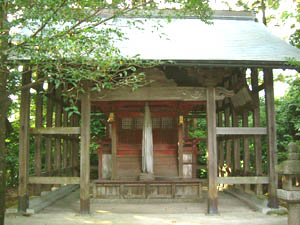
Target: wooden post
[(65, 142), (76, 150), (85, 153), (49, 123), (71, 147), (246, 148), (220, 143), (114, 149), (212, 151), (271, 138), (180, 150), (58, 117), (256, 123), (236, 146), (24, 142), (38, 138), (228, 142)]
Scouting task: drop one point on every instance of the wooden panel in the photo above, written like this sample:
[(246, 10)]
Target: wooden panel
[(54, 180), (241, 131), (242, 180), (55, 130)]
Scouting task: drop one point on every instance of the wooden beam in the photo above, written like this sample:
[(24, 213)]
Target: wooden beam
[(271, 138), (257, 138), (180, 151), (241, 131), (38, 139), (159, 94), (54, 180), (85, 152), (55, 130), (24, 142), (212, 207), (243, 180), (114, 150), (49, 123)]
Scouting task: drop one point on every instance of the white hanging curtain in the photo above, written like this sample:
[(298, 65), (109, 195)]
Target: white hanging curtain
[(147, 154)]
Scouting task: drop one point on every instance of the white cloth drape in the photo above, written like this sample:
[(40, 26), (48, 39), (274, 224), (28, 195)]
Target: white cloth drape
[(147, 143)]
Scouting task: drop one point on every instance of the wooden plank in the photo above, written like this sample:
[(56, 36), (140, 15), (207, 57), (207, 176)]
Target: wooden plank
[(53, 180), (49, 123), (236, 145), (38, 139), (114, 150), (241, 131), (159, 94), (257, 139), (271, 138), (24, 142), (243, 180), (55, 130), (246, 148), (180, 150), (212, 207), (85, 152)]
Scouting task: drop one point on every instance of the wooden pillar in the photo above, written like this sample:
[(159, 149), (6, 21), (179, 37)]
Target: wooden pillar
[(271, 138), (212, 207), (38, 138), (180, 150), (24, 142), (49, 123), (256, 123), (228, 141), (236, 146), (58, 117), (85, 153), (246, 147), (114, 149)]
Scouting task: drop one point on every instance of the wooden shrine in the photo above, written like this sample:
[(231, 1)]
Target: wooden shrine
[(222, 84)]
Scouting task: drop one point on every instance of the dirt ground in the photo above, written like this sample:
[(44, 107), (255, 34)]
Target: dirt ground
[(66, 212)]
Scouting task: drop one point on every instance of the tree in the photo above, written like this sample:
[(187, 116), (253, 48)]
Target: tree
[(66, 41)]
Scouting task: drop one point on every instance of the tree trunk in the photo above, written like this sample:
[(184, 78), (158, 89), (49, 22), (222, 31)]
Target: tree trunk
[(4, 104)]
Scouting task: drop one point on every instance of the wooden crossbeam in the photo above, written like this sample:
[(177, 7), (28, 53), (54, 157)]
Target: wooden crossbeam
[(243, 180), (241, 131), (53, 180), (55, 130)]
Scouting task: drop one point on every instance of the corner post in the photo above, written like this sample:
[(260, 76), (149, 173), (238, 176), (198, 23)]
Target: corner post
[(85, 152), (271, 138), (212, 204), (24, 142)]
